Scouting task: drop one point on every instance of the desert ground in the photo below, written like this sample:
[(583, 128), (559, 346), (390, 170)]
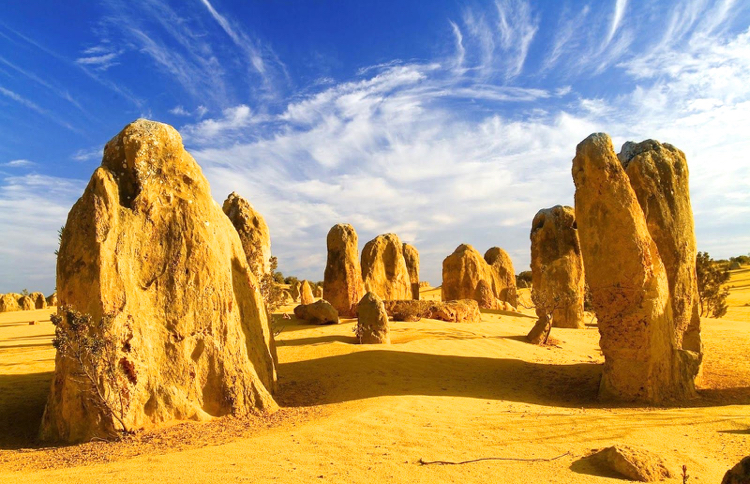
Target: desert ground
[(381, 413)]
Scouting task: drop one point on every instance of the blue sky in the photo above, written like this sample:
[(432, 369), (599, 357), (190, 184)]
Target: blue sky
[(448, 123)]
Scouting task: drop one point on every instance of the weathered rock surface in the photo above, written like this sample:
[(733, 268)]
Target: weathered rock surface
[(253, 231), (8, 303), (505, 275), (52, 299), (484, 296), (557, 267), (633, 463), (147, 249), (318, 291), (342, 282), (319, 312), (463, 311), (659, 175), (305, 293), (26, 303), (462, 271), (372, 324), (40, 302), (384, 269), (628, 283), (739, 474), (411, 256)]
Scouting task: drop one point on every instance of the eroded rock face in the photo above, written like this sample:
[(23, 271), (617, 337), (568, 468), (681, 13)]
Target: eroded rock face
[(253, 231), (634, 463), (9, 302), (342, 282), (484, 297), (40, 302), (658, 174), (463, 311), (372, 324), (505, 275), (384, 269), (319, 312), (557, 266), (462, 271), (628, 283), (411, 256), (305, 293), (148, 249)]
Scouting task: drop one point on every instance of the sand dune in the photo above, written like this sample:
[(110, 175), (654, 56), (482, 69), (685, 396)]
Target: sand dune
[(441, 391)]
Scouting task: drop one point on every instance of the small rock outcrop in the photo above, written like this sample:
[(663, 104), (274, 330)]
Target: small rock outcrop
[(342, 281), (372, 324), (659, 175), (253, 231), (633, 463), (319, 312), (505, 275), (411, 256), (52, 299), (8, 303), (384, 270), (739, 474), (628, 284), (557, 267), (305, 293), (40, 302), (294, 290), (463, 311), (159, 268)]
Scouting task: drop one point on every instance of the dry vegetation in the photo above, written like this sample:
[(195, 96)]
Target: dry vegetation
[(440, 391)]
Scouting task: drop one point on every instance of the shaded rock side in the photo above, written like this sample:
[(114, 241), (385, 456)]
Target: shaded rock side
[(372, 321), (505, 276), (253, 231), (411, 256)]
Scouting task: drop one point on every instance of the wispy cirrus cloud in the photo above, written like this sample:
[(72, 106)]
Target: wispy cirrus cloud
[(21, 163)]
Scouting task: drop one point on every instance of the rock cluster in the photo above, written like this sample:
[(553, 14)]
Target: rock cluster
[(384, 270), (342, 281), (253, 232), (465, 269), (628, 282), (152, 259), (557, 267)]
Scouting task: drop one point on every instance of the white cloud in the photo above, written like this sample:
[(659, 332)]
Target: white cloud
[(88, 154), (617, 15), (101, 62), (179, 111), (18, 164)]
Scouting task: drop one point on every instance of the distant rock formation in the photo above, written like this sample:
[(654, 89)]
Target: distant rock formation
[(628, 283), (150, 256), (505, 276), (253, 231), (305, 293), (372, 323), (26, 303), (40, 302), (318, 291), (462, 271), (8, 303), (658, 174), (462, 311), (384, 269), (294, 290), (52, 299), (342, 281), (557, 267), (319, 312), (411, 256)]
